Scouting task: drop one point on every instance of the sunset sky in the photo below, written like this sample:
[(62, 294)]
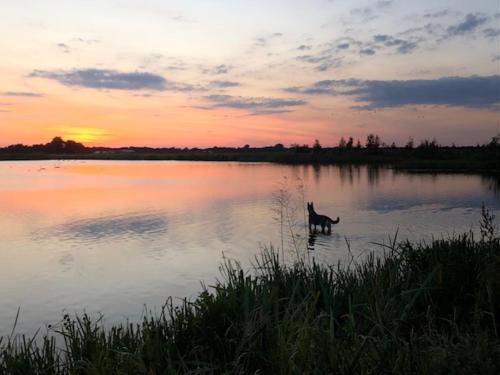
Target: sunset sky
[(231, 72)]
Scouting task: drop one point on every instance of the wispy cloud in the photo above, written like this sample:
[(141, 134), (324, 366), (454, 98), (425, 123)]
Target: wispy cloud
[(264, 41), (369, 13), (21, 93), (223, 84), (258, 105), (114, 80), (474, 91), (218, 69), (468, 25)]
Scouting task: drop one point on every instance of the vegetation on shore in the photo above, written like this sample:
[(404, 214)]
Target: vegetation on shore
[(428, 155), (419, 308)]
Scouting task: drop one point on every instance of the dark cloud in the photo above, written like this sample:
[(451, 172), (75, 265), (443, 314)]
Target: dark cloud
[(322, 61), (343, 46), (304, 47), (104, 79), (256, 105), (491, 33), (469, 24), (223, 84), (367, 51), (402, 46), (474, 92), (114, 80), (21, 93), (496, 58)]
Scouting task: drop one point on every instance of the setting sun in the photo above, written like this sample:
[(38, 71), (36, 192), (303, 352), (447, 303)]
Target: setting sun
[(85, 135)]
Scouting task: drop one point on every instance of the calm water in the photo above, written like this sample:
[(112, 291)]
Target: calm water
[(112, 237)]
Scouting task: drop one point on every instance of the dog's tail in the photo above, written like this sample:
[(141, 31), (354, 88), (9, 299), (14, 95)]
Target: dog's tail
[(335, 221)]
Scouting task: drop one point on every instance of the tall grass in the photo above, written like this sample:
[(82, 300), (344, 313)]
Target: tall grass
[(418, 308)]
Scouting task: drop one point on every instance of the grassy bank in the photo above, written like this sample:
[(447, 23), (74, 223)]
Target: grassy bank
[(422, 308), (462, 159)]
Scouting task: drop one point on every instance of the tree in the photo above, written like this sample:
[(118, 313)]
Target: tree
[(409, 145), (372, 141), (358, 144), (342, 142), (349, 143), (317, 145)]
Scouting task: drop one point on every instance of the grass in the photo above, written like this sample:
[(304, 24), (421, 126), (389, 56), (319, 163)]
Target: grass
[(418, 309)]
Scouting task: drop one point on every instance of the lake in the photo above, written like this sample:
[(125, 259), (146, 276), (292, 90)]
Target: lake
[(112, 237)]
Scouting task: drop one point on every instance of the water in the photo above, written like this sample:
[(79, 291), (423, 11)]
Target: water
[(111, 237)]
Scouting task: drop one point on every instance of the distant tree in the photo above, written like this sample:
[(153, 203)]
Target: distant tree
[(342, 143), (495, 141), (279, 146), (349, 143), (299, 148), (246, 147), (409, 145), (358, 144), (317, 145), (425, 144), (393, 145), (372, 141), (72, 147)]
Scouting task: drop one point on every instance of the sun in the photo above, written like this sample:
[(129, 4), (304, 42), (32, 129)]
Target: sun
[(85, 135)]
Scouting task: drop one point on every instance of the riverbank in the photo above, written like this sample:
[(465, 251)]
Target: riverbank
[(421, 308), (445, 159)]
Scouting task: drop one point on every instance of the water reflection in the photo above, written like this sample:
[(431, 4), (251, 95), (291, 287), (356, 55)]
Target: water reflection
[(97, 228)]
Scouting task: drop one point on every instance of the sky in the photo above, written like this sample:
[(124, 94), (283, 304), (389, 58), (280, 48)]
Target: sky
[(200, 73)]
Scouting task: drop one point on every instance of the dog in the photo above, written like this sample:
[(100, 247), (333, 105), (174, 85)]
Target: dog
[(322, 220)]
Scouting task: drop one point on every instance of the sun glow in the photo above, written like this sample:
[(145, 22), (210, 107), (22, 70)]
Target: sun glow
[(85, 135)]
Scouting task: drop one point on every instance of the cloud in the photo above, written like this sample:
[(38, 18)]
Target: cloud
[(402, 46), (343, 46), (263, 41), (491, 33), (64, 47), (323, 61), (367, 51), (469, 24), (223, 84), (304, 47), (114, 80), (20, 93), (256, 105), (474, 92), (218, 69), (438, 14), (368, 13)]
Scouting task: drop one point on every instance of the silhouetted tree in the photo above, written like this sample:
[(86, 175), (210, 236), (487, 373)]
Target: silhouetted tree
[(317, 145), (342, 142), (495, 141), (349, 143), (409, 144), (372, 141), (358, 144)]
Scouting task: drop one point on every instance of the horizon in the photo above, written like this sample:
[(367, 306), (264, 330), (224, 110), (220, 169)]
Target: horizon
[(229, 73)]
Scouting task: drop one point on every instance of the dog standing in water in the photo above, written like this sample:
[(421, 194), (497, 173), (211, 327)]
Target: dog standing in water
[(322, 220)]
